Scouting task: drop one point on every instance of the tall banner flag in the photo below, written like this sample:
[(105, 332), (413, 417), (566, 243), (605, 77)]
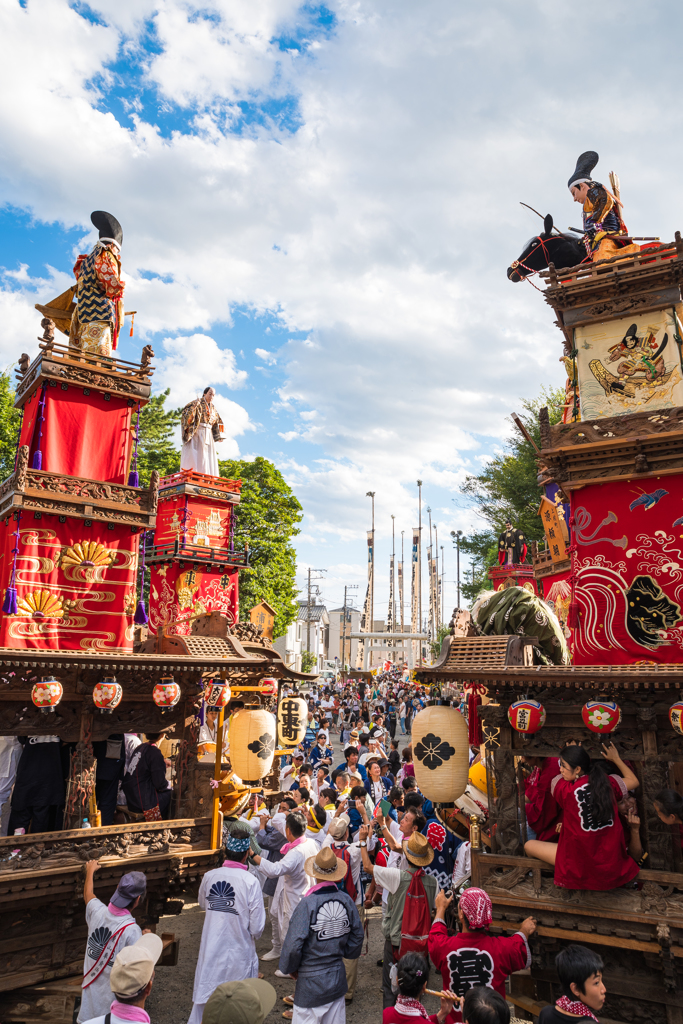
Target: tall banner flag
[(414, 606), (391, 614), (400, 592), (366, 626)]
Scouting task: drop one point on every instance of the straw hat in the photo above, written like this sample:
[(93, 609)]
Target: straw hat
[(417, 850), (327, 867)]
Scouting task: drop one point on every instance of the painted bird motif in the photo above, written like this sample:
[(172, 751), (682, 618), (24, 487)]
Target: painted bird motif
[(648, 500)]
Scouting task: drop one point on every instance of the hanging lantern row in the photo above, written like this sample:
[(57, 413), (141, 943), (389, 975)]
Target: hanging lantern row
[(601, 716)]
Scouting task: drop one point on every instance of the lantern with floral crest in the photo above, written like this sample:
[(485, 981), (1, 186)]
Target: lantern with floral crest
[(107, 694), (440, 753), (166, 693), (601, 715), (47, 694), (252, 743)]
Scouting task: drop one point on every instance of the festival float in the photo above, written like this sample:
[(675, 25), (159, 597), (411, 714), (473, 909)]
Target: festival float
[(82, 658), (602, 652)]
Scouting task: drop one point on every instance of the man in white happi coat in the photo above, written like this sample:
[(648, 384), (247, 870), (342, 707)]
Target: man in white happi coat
[(235, 918), (293, 881)]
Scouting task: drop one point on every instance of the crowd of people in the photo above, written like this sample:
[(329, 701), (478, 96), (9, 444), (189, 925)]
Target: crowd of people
[(351, 834)]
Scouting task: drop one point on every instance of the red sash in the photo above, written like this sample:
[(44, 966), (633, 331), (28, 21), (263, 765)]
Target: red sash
[(89, 977)]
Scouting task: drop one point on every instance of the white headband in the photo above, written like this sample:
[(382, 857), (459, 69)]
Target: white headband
[(579, 181), (117, 244)]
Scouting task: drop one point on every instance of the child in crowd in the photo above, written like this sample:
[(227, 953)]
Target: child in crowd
[(412, 975), (580, 972), (591, 852), (669, 806)]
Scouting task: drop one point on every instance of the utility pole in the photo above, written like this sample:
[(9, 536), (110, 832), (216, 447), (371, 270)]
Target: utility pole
[(443, 586), (419, 563), (400, 587), (351, 586), (437, 596), (371, 581), (391, 615)]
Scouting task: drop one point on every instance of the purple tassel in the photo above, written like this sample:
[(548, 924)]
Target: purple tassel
[(133, 478), (37, 460), (9, 605), (140, 617)]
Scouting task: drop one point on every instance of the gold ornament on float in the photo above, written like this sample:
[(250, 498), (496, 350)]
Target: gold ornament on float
[(252, 743), (41, 604), (87, 553), (440, 753), (292, 715)]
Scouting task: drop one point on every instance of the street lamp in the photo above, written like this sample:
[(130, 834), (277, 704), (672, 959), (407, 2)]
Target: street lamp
[(456, 535)]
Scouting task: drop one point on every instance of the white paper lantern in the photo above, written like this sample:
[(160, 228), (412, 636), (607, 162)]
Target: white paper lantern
[(252, 743), (440, 753), (292, 715)]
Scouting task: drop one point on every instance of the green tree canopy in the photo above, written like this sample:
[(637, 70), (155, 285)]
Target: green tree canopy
[(156, 447), (10, 418), (267, 519), (507, 489)]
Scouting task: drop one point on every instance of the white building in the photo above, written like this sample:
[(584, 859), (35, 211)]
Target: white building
[(336, 632), (293, 644)]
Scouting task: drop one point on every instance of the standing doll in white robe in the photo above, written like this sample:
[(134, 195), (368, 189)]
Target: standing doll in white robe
[(201, 427), (235, 918)]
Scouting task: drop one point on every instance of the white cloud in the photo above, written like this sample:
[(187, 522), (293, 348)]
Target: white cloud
[(191, 364)]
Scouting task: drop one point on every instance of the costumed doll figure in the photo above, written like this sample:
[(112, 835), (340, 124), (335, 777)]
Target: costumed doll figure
[(97, 320), (511, 546), (201, 427), (602, 221)]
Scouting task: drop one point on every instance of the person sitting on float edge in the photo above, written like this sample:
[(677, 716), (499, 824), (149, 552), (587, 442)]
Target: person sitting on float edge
[(483, 1005), (580, 972), (131, 980), (110, 929), (591, 851), (473, 956), (412, 975), (240, 1002), (669, 807)]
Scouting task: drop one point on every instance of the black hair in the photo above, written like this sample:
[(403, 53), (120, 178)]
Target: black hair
[(394, 744), (413, 799), (130, 1000), (350, 750), (208, 389), (296, 823), (331, 794), (484, 1005), (409, 782), (599, 789), (407, 753), (290, 803), (412, 974), (152, 737), (575, 964), (306, 767), (358, 793), (305, 794), (671, 802), (319, 814), (419, 819), (395, 793)]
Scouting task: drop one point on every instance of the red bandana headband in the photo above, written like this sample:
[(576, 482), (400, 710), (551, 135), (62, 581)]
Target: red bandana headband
[(477, 908)]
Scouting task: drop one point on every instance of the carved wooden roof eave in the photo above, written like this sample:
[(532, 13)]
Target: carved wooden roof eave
[(579, 677), (61, 364), (114, 664), (45, 493)]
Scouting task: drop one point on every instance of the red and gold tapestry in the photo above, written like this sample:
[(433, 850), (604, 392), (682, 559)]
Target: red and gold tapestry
[(628, 567), (86, 435), (177, 592), (75, 584), (193, 521)]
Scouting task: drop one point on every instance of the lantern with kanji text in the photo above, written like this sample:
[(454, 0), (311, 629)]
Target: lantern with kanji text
[(527, 716), (107, 694), (676, 716), (292, 715), (217, 694), (166, 693)]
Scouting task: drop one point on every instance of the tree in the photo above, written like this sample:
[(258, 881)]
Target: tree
[(10, 420), (507, 488), (309, 662), (435, 645), (156, 449), (267, 519)]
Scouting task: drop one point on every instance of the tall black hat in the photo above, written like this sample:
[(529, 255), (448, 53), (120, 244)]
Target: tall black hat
[(584, 166), (108, 226)]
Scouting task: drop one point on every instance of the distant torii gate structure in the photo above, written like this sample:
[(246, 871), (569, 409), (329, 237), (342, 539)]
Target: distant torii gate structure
[(393, 647)]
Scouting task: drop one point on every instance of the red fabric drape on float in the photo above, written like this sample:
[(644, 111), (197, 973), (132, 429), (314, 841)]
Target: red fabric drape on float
[(628, 566), (178, 591), (82, 435), (75, 585)]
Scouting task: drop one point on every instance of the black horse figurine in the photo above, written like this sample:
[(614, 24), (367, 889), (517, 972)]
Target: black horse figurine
[(561, 250)]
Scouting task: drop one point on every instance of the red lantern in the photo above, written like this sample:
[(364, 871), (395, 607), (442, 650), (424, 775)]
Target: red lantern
[(526, 716), (47, 694), (601, 715), (107, 695), (217, 694), (676, 716), (269, 686), (166, 693)]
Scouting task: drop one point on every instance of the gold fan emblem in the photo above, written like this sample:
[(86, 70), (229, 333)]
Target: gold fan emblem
[(87, 553), (41, 604)]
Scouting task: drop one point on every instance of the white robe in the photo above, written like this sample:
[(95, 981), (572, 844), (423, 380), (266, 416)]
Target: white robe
[(199, 453), (235, 919), (293, 882)]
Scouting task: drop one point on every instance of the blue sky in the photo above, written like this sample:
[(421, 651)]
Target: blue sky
[(319, 203)]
